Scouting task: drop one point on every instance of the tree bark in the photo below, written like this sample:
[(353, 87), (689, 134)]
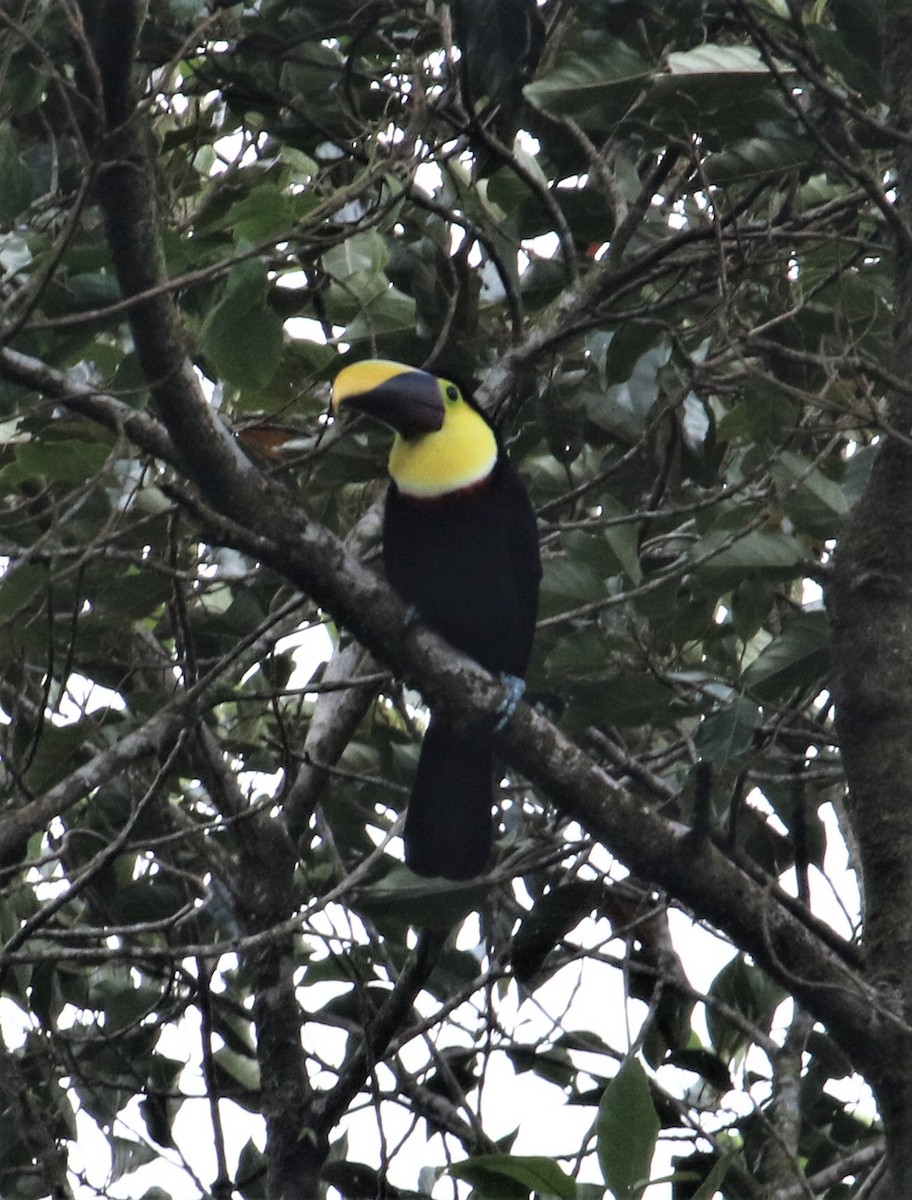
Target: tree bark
[(870, 606)]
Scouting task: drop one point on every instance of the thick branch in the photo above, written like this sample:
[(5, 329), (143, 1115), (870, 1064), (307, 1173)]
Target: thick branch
[(870, 606), (112, 414), (283, 535), (157, 734), (655, 848), (126, 192)]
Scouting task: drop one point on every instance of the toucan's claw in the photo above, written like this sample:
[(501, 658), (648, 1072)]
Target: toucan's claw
[(412, 616), (514, 687)]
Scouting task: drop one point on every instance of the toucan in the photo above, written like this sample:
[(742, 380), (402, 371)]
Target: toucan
[(460, 546)]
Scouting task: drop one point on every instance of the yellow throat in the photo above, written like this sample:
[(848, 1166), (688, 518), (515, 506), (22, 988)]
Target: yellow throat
[(461, 453)]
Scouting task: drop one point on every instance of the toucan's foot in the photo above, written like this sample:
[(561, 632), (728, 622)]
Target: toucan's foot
[(514, 687), (412, 616)]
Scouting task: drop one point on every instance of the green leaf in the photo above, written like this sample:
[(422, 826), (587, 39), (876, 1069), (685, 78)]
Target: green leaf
[(19, 586), (619, 700), (390, 311), (94, 288), (127, 1156), (149, 898), (568, 582), (239, 1074), (416, 900), (355, 1180), (587, 1040), (554, 1065), (242, 336), (627, 1127), (579, 656), (624, 407), (728, 733), (505, 1175), (758, 549), (264, 211), (724, 90), (250, 1177), (618, 352), (18, 188), (705, 1064), (62, 462), (814, 502), (747, 990), (361, 254), (859, 64), (624, 540), (59, 750), (551, 918), (764, 414), (592, 81), (758, 157), (712, 59), (713, 1181), (798, 658)]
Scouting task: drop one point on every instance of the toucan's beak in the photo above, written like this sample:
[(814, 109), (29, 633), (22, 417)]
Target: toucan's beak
[(402, 397)]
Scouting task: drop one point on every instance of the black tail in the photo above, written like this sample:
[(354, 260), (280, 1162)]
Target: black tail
[(448, 826)]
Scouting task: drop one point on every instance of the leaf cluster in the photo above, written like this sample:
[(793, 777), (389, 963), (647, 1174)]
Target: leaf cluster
[(657, 238)]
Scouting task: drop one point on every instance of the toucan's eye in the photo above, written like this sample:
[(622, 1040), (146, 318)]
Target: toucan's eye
[(452, 393)]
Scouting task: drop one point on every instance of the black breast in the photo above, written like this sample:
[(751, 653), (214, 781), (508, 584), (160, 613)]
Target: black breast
[(469, 563)]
